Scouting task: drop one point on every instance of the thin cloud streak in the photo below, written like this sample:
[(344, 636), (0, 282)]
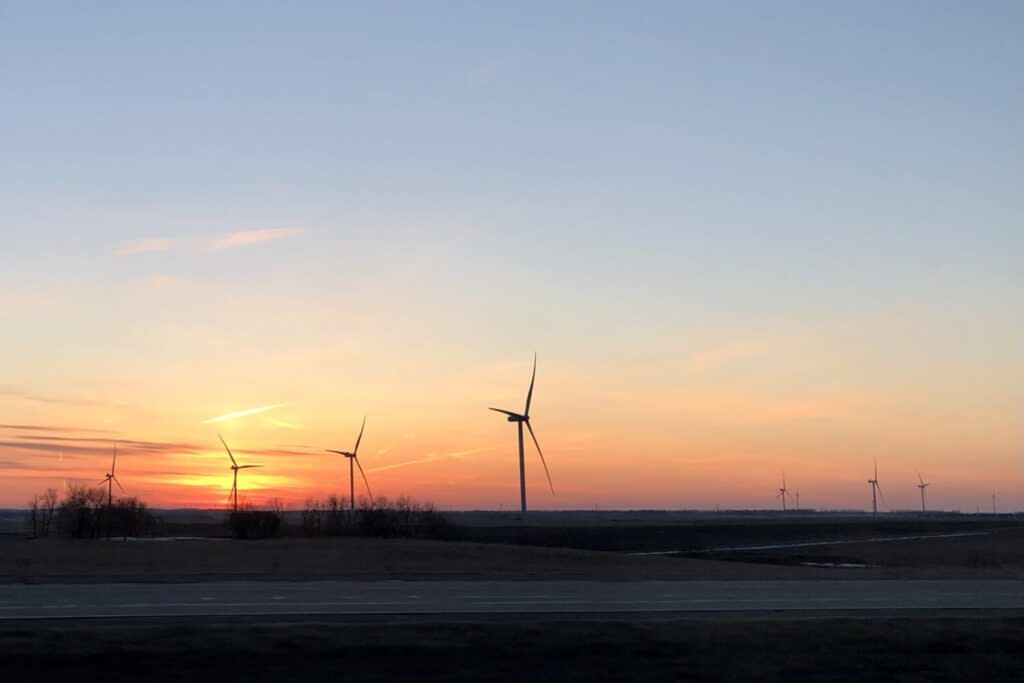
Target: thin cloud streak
[(243, 413), (146, 246), (51, 428), (231, 240), (243, 239), (432, 457)]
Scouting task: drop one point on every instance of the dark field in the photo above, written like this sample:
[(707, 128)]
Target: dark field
[(719, 648), (494, 552), (921, 646)]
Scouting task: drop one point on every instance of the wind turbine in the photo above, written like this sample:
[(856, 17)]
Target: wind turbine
[(353, 457), (876, 491), (922, 485), (993, 502), (110, 480), (798, 500), (783, 492), (520, 420), (234, 474)]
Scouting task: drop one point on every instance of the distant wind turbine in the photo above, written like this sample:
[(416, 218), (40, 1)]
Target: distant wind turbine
[(876, 491), (993, 502), (353, 457), (922, 485), (797, 499), (234, 474), (110, 480), (520, 420), (783, 492)]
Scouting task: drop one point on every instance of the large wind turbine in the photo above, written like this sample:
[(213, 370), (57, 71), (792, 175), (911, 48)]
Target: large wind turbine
[(783, 492), (110, 480), (353, 457), (234, 474), (876, 491), (922, 485), (520, 420)]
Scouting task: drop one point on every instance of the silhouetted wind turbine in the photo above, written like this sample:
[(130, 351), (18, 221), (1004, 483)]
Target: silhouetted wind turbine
[(993, 502), (353, 457), (234, 474), (797, 499), (783, 492), (922, 485), (876, 491), (520, 420), (110, 480)]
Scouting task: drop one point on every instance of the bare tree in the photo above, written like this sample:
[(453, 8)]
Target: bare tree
[(33, 515), (49, 507)]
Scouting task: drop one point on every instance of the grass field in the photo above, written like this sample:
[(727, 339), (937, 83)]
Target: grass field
[(719, 648), (998, 554)]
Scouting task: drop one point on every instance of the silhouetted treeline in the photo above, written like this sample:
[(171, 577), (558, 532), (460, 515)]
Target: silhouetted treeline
[(41, 510), (248, 522), (83, 513), (377, 517)]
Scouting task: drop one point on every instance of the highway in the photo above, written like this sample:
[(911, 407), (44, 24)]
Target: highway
[(227, 598)]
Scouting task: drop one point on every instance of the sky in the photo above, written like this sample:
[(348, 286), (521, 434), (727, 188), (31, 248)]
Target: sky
[(743, 238)]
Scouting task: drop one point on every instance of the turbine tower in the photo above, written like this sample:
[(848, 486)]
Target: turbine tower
[(110, 480), (876, 491), (993, 502), (353, 457), (922, 485), (783, 492), (797, 500), (234, 474), (520, 420)]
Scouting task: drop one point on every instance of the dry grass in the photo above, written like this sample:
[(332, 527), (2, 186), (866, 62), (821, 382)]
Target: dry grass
[(357, 558), (341, 558)]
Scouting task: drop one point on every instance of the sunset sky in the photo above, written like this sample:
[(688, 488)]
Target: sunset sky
[(742, 238)]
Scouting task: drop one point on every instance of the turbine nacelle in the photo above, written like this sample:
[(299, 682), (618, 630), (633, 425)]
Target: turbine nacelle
[(345, 453), (512, 417)]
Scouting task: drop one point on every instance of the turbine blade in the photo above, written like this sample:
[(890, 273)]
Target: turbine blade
[(360, 438), (919, 477), (338, 452), (234, 486), (364, 477), (529, 394), (879, 489), (114, 463), (102, 482), (506, 412), (119, 485), (230, 455), (246, 467), (541, 454)]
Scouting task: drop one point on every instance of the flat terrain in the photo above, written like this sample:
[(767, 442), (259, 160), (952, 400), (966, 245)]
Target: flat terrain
[(734, 647), (526, 612), (306, 598), (374, 559)]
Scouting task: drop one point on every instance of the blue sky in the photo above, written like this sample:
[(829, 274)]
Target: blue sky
[(620, 184)]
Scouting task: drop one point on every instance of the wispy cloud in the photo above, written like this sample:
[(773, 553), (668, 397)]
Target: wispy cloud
[(52, 428), (230, 240), (430, 457), (242, 413), (6, 390), (162, 281), (243, 239), (146, 246)]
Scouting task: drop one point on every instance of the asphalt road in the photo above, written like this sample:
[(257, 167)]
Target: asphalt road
[(51, 601)]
